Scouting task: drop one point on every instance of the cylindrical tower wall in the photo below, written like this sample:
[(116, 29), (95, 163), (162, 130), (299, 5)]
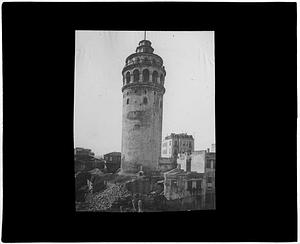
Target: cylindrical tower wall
[(143, 80)]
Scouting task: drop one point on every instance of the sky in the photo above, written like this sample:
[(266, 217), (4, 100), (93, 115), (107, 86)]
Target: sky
[(189, 100)]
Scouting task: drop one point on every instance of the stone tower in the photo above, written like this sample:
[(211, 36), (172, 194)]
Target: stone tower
[(143, 90)]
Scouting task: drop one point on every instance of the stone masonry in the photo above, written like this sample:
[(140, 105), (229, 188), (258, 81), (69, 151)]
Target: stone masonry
[(143, 90)]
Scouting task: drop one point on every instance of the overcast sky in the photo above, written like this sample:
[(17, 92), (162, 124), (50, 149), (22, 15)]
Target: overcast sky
[(189, 101)]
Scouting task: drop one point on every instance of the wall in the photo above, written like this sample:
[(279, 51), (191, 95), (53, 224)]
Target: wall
[(198, 161), (141, 129), (167, 148)]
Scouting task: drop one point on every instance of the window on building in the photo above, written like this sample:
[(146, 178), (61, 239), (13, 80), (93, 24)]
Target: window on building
[(190, 145), (209, 179), (161, 78), (189, 185), (145, 75), (214, 164), (154, 77), (170, 143), (110, 158), (136, 76), (198, 184), (188, 165), (145, 92), (145, 100), (127, 101), (127, 77), (207, 164)]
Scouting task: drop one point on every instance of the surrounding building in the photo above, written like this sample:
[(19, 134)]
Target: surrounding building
[(143, 90), (83, 154), (84, 159), (213, 148), (175, 144), (194, 161), (210, 175), (166, 164), (112, 161), (184, 190)]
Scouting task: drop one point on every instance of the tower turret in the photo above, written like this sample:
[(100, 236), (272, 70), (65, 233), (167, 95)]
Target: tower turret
[(143, 90)]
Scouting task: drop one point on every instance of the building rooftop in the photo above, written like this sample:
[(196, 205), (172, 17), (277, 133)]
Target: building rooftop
[(180, 135), (113, 154)]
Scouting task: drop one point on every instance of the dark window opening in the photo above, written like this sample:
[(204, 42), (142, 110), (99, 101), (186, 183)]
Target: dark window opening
[(145, 75), (127, 78), (145, 92), (136, 75), (207, 164), (127, 100), (145, 101), (209, 179), (154, 76), (161, 78)]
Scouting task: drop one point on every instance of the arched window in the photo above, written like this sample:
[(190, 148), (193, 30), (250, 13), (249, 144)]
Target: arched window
[(127, 77), (154, 76), (161, 79), (145, 101), (127, 100), (145, 75), (136, 75)]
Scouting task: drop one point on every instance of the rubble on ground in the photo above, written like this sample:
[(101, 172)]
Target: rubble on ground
[(104, 200)]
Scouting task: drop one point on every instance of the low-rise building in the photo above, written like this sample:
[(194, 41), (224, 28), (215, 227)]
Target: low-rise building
[(194, 161), (112, 161), (210, 176), (204, 162), (85, 160), (175, 144), (179, 184), (166, 164)]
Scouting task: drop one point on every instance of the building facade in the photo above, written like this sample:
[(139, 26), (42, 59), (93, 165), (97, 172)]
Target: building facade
[(194, 161), (84, 160), (143, 90), (112, 161), (175, 144), (179, 184)]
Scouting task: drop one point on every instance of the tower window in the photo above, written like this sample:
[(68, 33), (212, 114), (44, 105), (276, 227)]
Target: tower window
[(154, 76), (145, 100), (127, 100), (127, 77), (145, 92), (136, 75), (161, 78), (145, 75)]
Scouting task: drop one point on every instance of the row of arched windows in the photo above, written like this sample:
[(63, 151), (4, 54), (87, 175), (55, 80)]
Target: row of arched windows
[(145, 100), (146, 76), (146, 60)]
